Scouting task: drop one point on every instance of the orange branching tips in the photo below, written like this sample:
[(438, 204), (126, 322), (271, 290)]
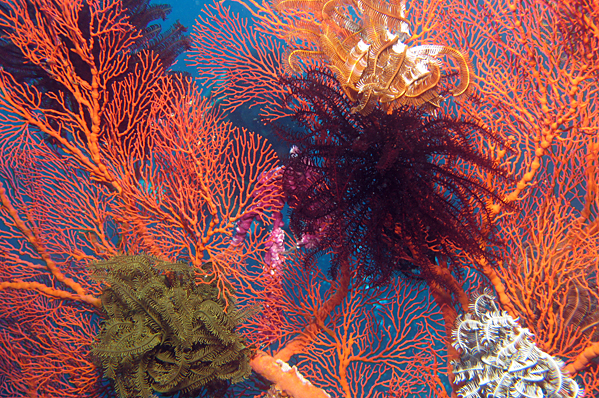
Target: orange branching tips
[(365, 45)]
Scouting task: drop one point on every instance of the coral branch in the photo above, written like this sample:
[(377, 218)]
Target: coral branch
[(285, 377), (583, 359)]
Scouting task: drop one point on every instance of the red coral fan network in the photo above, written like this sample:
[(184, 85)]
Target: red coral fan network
[(104, 152)]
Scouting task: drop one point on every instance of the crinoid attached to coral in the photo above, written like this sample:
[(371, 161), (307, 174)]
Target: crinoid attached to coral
[(500, 359), (385, 188), (365, 44), (163, 332)]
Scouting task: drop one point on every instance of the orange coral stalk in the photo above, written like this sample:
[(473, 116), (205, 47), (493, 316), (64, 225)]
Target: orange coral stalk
[(284, 377), (583, 359)]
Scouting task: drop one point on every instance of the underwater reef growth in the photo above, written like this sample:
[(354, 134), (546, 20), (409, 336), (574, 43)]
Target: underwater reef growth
[(365, 44), (499, 358), (165, 333), (195, 187), (384, 188), (38, 59), (578, 27), (176, 192), (141, 15)]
